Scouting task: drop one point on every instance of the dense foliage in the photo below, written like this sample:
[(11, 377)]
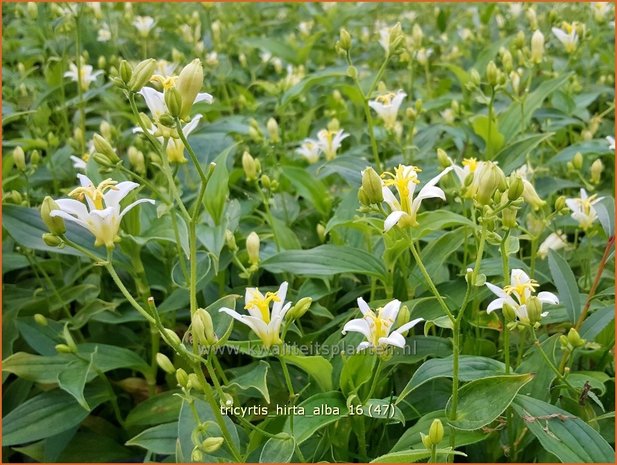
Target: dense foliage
[(308, 232)]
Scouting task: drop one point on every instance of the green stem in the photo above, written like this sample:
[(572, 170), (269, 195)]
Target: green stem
[(290, 387), (551, 365), (80, 92), (376, 376), (506, 281), (489, 139)]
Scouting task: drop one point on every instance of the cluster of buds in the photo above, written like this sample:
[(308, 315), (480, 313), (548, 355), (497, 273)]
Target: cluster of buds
[(572, 341), (19, 159), (251, 167), (485, 183), (370, 193), (55, 224), (135, 78), (203, 442), (202, 329), (434, 436)]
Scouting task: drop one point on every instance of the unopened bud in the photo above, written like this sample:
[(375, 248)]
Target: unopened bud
[(537, 47), (486, 181), (321, 232), (136, 159), (442, 157), (141, 74), (64, 349), (344, 40), (173, 101), (403, 316), (163, 361), (515, 190), (577, 160), (371, 185), (19, 158), (252, 248), (249, 166), (203, 329), (508, 217), (52, 240), (560, 203), (126, 71), (265, 181), (197, 455), (531, 196), (534, 310), (492, 73), (575, 339), (273, 131), (194, 383), (299, 309), (174, 340), (40, 319), (426, 441), (352, 72), (182, 377), (35, 158), (55, 224), (597, 167), (508, 313), (103, 147), (189, 83), (435, 433), (212, 444)]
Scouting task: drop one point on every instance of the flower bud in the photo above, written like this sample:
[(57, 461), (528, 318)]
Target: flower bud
[(252, 248), (516, 188), (103, 147), (136, 159), (265, 181), (396, 39), (141, 74), (531, 196), (33, 9), (52, 240), (442, 157), (189, 83), (575, 339), (519, 40), (35, 158), (212, 444), (174, 340), (352, 72), (492, 73), (344, 40), (64, 349), (203, 329), (506, 60), (197, 456), (486, 181), (249, 166), (55, 224), (173, 101), (577, 160), (106, 130), (182, 377), (321, 232), (163, 361), (474, 77), (363, 197), (508, 313), (126, 71), (596, 171), (435, 433), (534, 310), (273, 131), (19, 158), (299, 309), (194, 383), (508, 217), (537, 47), (403, 317), (560, 203), (40, 319), (371, 185)]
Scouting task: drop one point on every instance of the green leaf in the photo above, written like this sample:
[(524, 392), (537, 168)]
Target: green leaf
[(315, 416), (470, 368), (511, 122), (437, 220), (595, 323), (357, 371), (254, 379), (533, 362), (310, 188), (412, 456), (325, 260), (474, 411), (562, 434), (278, 450), (161, 408), (605, 209), (37, 368), (160, 439), (217, 188), (316, 366), (73, 380), (89, 447), (313, 79), (47, 414), (513, 155), (383, 409), (566, 285), (411, 438), (494, 138)]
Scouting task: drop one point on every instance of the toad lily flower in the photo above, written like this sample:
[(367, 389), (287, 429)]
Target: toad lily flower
[(84, 76), (265, 323), (310, 150), (554, 241), (387, 106), (175, 146), (144, 25), (155, 100), (518, 294), (405, 179), (583, 210), (611, 142), (376, 325), (567, 36), (101, 215), (330, 141)]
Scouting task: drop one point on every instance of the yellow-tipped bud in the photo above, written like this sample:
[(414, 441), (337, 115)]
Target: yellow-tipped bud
[(252, 248), (537, 47), (575, 339), (173, 101), (55, 224), (301, 307), (182, 377), (211, 445), (163, 361), (597, 167), (40, 319), (249, 166), (104, 148), (52, 240), (203, 329), (344, 40), (515, 190), (273, 131), (19, 158), (371, 185)]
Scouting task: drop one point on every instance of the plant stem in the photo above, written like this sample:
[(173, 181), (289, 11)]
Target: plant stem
[(376, 376), (290, 387), (551, 365), (80, 92)]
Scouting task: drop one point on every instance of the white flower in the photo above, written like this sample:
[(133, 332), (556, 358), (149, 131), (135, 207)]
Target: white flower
[(104, 34), (554, 241), (144, 25), (387, 106), (601, 11), (212, 59), (84, 76), (567, 37), (155, 100), (517, 294), (330, 141), (101, 215), (376, 326), (175, 146), (582, 209), (611, 142), (405, 179), (265, 323), (78, 163), (305, 27), (310, 150)]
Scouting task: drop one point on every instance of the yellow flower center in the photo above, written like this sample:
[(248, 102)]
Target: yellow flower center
[(472, 163), (519, 288), (95, 194), (567, 27), (400, 179), (263, 304), (166, 82), (586, 204), (385, 99), (380, 326)]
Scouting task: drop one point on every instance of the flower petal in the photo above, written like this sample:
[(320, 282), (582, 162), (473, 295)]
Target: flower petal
[(394, 339), (392, 219), (358, 325), (548, 298), (364, 307), (407, 326)]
